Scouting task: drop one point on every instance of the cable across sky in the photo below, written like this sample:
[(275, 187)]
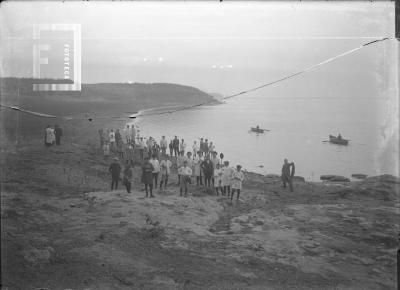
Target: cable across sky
[(305, 70)]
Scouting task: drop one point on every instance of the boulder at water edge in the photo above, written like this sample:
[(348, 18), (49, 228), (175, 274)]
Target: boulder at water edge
[(334, 178)]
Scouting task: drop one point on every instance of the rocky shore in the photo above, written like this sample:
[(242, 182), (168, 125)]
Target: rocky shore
[(63, 229)]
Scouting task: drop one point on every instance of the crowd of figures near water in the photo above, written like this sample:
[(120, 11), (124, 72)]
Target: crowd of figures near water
[(197, 165)]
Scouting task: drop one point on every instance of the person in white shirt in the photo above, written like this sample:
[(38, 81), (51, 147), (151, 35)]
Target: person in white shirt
[(197, 161), (226, 178), (237, 180), (215, 160), (189, 159), (48, 138), (195, 148), (179, 163), (112, 140), (52, 135), (182, 146), (127, 134), (149, 144), (129, 153), (163, 145), (211, 147), (165, 167), (185, 172), (156, 170), (132, 133), (142, 147), (217, 178)]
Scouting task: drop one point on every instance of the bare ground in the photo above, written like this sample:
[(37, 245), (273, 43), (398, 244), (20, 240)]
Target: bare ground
[(63, 229)]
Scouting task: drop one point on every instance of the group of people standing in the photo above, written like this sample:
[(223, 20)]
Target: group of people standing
[(222, 177), (120, 143), (52, 135), (202, 164)]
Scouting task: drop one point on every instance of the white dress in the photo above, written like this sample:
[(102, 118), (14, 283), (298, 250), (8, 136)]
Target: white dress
[(49, 139), (52, 135), (112, 137), (226, 176), (195, 148), (156, 165), (217, 177), (237, 179), (197, 166)]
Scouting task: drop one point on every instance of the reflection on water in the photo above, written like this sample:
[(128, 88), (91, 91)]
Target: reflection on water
[(298, 129)]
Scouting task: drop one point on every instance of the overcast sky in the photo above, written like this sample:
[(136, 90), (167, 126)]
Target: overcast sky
[(217, 47)]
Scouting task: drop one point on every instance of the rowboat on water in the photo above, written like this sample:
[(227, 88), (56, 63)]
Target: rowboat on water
[(338, 140), (258, 130)]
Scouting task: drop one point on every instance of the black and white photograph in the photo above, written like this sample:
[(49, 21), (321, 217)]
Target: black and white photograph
[(218, 145)]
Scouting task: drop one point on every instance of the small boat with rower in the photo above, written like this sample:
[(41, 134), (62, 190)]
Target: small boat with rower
[(258, 129), (338, 140)]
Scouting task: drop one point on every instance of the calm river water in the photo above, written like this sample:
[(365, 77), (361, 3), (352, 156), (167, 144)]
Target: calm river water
[(297, 127)]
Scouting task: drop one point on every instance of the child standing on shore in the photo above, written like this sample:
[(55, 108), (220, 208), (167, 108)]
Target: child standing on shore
[(179, 163), (185, 172), (206, 149), (129, 153), (147, 176), (182, 146), (202, 145), (197, 160), (175, 144), (163, 145), (142, 147), (217, 178), (215, 160), (226, 178), (127, 180), (165, 167), (237, 179), (211, 147), (156, 169), (171, 148), (208, 170), (120, 150), (111, 135), (195, 148)]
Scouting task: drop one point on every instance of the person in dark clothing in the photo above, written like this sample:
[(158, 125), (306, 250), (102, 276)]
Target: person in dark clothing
[(115, 170), (147, 176), (206, 148), (208, 169), (202, 145), (58, 133), (287, 174), (175, 143), (171, 148), (156, 150), (118, 138), (102, 138), (127, 176)]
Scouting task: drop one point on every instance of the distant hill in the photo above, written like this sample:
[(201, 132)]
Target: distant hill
[(100, 98), (117, 99)]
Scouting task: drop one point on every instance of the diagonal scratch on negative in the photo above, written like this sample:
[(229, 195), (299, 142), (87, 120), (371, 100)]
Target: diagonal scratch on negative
[(224, 98)]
